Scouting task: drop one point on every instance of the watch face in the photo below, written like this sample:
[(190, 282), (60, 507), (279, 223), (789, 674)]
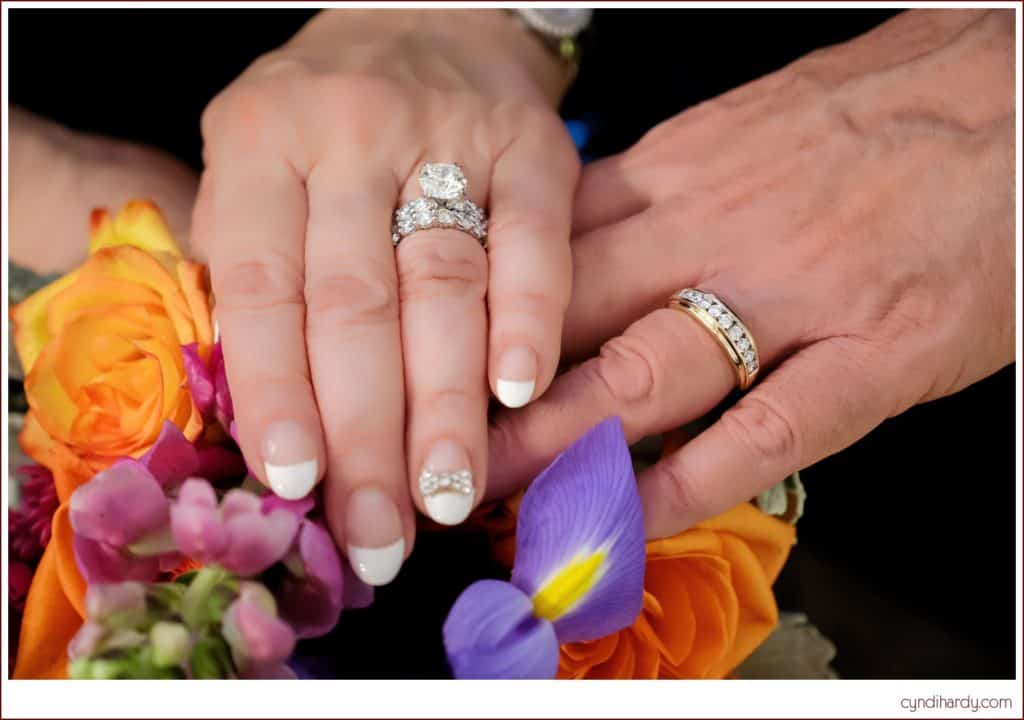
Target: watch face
[(558, 22)]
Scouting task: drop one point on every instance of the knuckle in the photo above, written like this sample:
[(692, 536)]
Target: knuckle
[(543, 308), (280, 64), (444, 269), (257, 285), (262, 387), (453, 400), (349, 298), (627, 368), (679, 489), (247, 104), (764, 430)]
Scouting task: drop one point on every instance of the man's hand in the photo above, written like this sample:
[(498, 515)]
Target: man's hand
[(856, 209)]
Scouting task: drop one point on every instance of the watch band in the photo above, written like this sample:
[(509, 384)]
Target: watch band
[(559, 30)]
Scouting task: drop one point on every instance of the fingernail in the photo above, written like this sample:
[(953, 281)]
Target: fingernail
[(446, 483), (517, 376), (289, 458), (373, 523)]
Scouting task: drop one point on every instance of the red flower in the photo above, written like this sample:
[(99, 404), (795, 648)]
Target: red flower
[(29, 526), (19, 577)]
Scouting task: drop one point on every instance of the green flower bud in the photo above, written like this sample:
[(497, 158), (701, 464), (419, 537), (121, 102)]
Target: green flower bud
[(170, 643)]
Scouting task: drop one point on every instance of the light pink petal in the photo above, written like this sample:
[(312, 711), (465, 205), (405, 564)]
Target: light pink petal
[(255, 634), (257, 541), (239, 502), (102, 599), (119, 505), (199, 531), (172, 457), (86, 641), (197, 491)]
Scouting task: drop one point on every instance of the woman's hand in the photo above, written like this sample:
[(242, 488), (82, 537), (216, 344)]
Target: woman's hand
[(307, 156), (59, 175), (856, 209)]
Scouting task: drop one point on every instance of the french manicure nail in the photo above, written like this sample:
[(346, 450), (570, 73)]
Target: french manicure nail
[(517, 376), (373, 524), (289, 458), (446, 483)]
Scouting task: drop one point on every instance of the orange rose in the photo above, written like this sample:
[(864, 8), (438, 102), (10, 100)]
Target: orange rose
[(101, 348), (708, 603)]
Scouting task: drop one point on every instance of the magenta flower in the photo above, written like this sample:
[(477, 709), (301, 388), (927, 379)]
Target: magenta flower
[(120, 523), (260, 641), (236, 534), (19, 577), (208, 383), (172, 458), (578, 573), (28, 526), (311, 594), (315, 588)]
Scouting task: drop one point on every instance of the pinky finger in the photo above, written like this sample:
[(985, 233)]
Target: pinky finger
[(816, 403)]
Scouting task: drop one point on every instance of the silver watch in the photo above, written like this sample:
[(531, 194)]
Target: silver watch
[(558, 29), (556, 23)]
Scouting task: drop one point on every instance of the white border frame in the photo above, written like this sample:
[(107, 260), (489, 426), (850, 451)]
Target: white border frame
[(446, 698)]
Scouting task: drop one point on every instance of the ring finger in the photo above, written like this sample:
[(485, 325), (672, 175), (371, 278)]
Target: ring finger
[(442, 287), (665, 370)]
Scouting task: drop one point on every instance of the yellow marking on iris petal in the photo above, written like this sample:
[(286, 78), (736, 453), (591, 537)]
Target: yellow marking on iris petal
[(560, 594)]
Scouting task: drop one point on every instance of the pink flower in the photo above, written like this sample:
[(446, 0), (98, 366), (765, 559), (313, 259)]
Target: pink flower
[(28, 527), (312, 593), (237, 534), (120, 522), (208, 383), (260, 641)]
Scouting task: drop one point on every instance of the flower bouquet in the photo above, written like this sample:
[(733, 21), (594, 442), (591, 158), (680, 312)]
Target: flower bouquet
[(141, 547)]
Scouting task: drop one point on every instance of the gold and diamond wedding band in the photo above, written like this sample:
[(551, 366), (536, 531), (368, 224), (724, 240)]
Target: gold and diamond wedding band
[(730, 332)]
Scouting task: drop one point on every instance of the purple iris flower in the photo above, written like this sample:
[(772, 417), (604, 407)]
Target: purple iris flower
[(578, 572)]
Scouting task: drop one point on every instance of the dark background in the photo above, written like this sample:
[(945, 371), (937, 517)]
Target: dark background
[(906, 553)]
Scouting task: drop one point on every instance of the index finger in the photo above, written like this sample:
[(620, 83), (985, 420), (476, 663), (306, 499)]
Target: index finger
[(250, 217)]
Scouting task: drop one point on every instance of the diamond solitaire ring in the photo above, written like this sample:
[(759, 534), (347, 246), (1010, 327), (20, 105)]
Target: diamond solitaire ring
[(726, 326), (444, 205)]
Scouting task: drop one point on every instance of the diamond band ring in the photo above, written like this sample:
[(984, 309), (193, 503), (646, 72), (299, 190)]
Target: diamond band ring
[(726, 326), (444, 205)]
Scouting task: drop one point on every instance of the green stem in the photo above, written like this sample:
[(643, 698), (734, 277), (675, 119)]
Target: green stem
[(194, 601)]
